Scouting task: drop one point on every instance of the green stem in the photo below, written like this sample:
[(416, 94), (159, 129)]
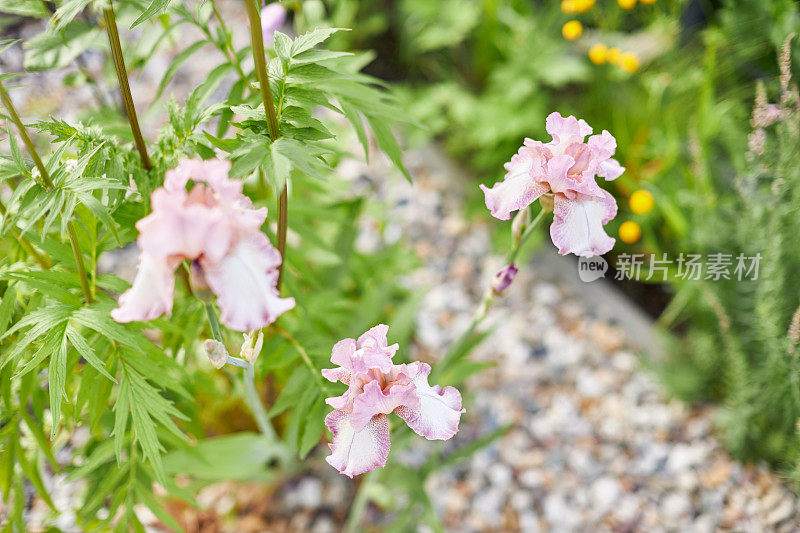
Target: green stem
[(26, 139), (124, 86), (213, 321), (303, 355), (259, 57), (486, 302), (283, 208), (527, 233), (227, 49), (76, 251), (251, 397), (45, 176)]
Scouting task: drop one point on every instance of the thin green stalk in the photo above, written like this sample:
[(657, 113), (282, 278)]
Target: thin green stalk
[(527, 233), (76, 251), (124, 86), (26, 139), (303, 355), (227, 49), (486, 301), (45, 176), (251, 397), (259, 57)]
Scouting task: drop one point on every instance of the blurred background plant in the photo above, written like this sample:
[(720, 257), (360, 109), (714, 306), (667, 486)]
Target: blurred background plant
[(675, 82)]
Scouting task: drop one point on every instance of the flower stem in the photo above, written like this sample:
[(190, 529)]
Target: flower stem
[(76, 251), (251, 397), (227, 49), (26, 139), (485, 304), (124, 86), (48, 182), (259, 57)]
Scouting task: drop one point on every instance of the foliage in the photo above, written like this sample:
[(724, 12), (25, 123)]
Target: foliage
[(742, 341), (482, 75), (133, 404)]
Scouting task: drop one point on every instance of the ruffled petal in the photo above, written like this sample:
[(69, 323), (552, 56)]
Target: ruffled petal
[(342, 353), (374, 349), (336, 374), (610, 169), (519, 187), (565, 131), (439, 410), (602, 145), (151, 294), (356, 452), (375, 401), (556, 173), (578, 224), (245, 284)]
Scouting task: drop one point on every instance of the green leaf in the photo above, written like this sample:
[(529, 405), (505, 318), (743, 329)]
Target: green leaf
[(309, 40), (241, 457), (58, 380), (179, 60), (145, 494), (387, 142), (155, 7), (7, 307), (83, 348), (294, 389), (282, 46)]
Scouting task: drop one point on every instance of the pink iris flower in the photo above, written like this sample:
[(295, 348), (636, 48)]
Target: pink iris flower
[(272, 18), (566, 167), (216, 227), (377, 387)]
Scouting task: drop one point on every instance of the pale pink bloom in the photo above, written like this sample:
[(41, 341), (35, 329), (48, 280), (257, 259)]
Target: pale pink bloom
[(216, 227), (504, 278), (377, 387), (568, 167), (272, 17)]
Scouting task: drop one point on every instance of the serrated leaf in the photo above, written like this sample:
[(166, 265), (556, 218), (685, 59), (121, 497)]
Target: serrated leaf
[(83, 348), (282, 45), (155, 7), (387, 143), (7, 305), (57, 377), (309, 40)]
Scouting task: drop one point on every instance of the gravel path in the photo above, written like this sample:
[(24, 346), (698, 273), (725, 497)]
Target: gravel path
[(594, 444)]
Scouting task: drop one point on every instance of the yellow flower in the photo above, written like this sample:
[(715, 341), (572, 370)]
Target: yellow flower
[(626, 4), (629, 62), (598, 54), (630, 232), (613, 55), (648, 1), (573, 7), (642, 202), (572, 30)]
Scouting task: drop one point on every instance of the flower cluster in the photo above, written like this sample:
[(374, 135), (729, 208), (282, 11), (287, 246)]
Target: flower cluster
[(377, 387), (216, 227), (565, 167)]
